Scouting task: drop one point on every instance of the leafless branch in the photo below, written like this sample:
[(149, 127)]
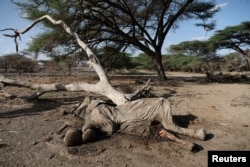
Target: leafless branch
[(103, 87), (15, 35), (145, 91)]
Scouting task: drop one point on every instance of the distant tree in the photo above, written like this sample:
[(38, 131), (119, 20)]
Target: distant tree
[(65, 62), (183, 63), (233, 37), (142, 24), (48, 66), (112, 58), (4, 64), (191, 48), (232, 61), (199, 49), (143, 61), (18, 62)]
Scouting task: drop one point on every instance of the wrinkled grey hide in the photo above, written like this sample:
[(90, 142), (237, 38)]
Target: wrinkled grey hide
[(132, 118)]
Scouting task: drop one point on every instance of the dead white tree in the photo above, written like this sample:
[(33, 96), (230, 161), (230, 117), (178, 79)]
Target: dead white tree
[(131, 114), (103, 87)]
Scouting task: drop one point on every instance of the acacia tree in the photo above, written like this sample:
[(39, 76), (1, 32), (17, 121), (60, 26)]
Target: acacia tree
[(17, 62), (196, 48), (233, 37), (142, 24), (190, 48)]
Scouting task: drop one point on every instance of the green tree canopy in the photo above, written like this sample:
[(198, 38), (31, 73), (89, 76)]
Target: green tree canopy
[(112, 58), (233, 37), (199, 49), (143, 61), (182, 63), (143, 24), (190, 48)]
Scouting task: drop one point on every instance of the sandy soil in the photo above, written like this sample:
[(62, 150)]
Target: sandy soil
[(29, 130)]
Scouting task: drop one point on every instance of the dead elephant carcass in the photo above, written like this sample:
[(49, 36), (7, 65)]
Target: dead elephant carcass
[(131, 118)]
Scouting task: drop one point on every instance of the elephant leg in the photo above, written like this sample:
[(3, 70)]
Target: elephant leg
[(90, 131), (73, 137), (89, 135), (165, 117), (199, 134), (167, 135)]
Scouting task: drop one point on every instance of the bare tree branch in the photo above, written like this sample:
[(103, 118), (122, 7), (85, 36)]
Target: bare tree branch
[(103, 87), (15, 35), (145, 91)]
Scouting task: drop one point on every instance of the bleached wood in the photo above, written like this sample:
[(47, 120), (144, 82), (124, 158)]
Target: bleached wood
[(103, 87)]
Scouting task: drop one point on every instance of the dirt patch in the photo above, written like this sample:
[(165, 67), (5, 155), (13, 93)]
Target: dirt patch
[(29, 133)]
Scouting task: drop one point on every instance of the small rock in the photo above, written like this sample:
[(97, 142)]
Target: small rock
[(32, 142), (3, 145), (65, 112), (47, 139)]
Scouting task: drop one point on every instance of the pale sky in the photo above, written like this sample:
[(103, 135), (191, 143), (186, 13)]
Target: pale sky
[(232, 13)]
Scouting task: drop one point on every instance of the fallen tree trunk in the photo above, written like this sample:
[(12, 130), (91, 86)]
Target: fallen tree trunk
[(103, 87)]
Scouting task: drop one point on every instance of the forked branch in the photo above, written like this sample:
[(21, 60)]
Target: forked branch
[(103, 87), (15, 35)]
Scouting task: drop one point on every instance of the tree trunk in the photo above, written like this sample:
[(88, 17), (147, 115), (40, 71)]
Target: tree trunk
[(161, 72), (159, 67)]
